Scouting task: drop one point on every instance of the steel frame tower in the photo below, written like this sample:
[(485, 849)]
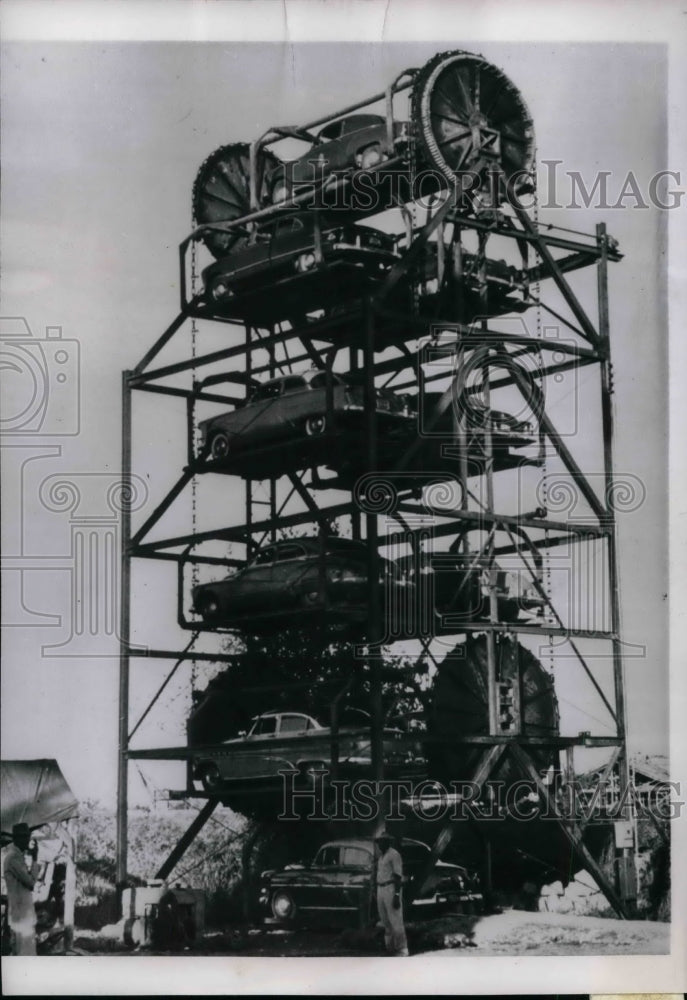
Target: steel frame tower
[(373, 334)]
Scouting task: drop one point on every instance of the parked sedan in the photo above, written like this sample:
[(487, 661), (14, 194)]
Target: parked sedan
[(355, 142), (338, 887), (293, 582), (301, 406), (297, 243), (282, 740)]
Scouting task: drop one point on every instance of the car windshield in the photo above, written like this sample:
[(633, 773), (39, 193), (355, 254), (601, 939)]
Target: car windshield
[(270, 390), (328, 857), (294, 383), (289, 552), (264, 726), (264, 556), (319, 381)]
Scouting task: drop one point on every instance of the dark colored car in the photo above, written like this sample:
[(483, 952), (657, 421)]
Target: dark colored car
[(297, 243), (299, 406), (295, 582), (284, 740), (356, 142), (338, 887)]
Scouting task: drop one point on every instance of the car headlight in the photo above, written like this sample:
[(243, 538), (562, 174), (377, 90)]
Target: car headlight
[(305, 261), (220, 290)]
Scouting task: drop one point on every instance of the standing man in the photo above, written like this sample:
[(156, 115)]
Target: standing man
[(389, 895), (21, 913)]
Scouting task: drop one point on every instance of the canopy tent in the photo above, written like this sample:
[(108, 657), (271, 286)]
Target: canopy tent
[(34, 792)]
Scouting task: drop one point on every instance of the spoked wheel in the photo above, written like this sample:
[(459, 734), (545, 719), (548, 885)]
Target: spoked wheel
[(473, 120), (221, 192)]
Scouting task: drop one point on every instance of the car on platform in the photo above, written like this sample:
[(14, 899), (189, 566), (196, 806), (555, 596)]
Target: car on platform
[(295, 582), (337, 887), (280, 741), (355, 142), (300, 406), (297, 243)]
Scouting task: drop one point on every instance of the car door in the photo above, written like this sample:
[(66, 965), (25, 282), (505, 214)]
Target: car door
[(250, 424), (253, 588), (259, 748), (290, 238), (290, 574), (293, 406), (351, 883)]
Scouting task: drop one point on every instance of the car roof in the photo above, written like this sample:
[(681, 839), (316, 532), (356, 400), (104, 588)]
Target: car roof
[(352, 123), (368, 842), (332, 541), (308, 374), (282, 711)]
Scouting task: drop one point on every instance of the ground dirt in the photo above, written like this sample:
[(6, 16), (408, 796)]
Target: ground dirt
[(513, 932)]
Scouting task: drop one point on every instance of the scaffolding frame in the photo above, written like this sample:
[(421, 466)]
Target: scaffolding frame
[(335, 333)]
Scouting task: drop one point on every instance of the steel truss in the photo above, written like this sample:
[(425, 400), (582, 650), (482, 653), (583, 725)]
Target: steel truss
[(379, 340)]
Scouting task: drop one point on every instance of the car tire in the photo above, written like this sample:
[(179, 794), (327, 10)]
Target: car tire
[(283, 906), (314, 426), (219, 448), (210, 778)]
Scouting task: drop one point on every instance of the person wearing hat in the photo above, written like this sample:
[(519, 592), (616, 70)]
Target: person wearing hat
[(21, 913), (389, 901)]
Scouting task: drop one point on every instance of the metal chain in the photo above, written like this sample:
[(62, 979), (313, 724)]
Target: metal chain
[(546, 582), (194, 483)]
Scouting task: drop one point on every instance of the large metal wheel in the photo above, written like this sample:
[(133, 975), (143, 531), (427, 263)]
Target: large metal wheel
[(221, 192), (472, 120)]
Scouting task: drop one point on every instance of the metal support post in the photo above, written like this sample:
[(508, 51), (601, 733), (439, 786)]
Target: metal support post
[(625, 856), (124, 641), (375, 624)]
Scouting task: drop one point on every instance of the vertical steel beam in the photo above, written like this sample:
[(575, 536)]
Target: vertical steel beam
[(375, 630), (124, 642), (625, 855)]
